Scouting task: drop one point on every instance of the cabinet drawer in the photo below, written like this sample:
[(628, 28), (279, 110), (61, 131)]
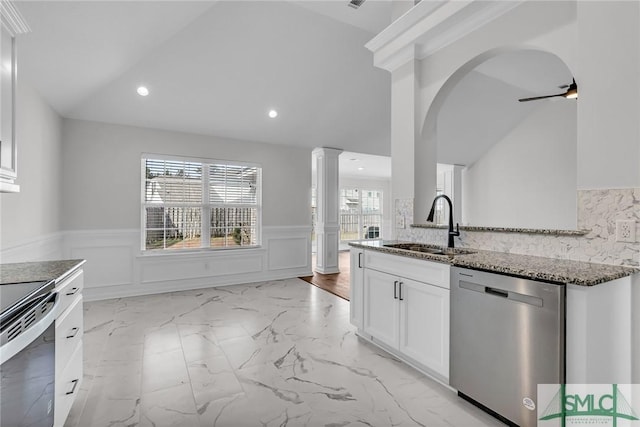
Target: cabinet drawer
[(69, 289), (67, 387), (431, 272), (69, 330)]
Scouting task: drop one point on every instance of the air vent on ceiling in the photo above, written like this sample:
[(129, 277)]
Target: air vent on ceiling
[(355, 3)]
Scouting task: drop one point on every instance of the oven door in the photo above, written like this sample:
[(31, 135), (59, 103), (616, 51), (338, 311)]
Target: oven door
[(28, 372)]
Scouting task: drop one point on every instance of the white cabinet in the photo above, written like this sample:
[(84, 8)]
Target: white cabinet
[(405, 306), (381, 307), (356, 286), (11, 25), (69, 331), (424, 325)]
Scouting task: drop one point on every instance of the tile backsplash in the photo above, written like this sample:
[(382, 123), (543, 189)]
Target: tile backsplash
[(598, 211)]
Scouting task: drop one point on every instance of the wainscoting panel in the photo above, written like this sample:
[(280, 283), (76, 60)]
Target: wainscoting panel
[(160, 268), (110, 255), (109, 266), (116, 267), (288, 252), (48, 247)]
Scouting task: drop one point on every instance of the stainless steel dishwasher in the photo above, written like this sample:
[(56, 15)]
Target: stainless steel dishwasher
[(507, 336)]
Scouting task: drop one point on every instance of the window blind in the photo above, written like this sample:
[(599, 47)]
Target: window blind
[(200, 204)]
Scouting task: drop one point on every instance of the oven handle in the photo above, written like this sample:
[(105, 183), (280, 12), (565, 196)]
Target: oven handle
[(19, 343)]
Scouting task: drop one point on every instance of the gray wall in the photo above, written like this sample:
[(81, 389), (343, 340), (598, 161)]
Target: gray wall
[(102, 173), (35, 211)]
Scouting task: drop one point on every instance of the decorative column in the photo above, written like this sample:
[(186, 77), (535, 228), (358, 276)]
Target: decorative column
[(327, 209)]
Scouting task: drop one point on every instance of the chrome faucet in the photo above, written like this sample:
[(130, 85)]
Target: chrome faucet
[(451, 232)]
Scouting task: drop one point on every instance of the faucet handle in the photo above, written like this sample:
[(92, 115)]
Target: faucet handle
[(457, 232)]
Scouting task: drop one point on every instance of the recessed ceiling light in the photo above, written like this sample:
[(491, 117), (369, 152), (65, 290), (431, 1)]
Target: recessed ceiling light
[(360, 169), (273, 114), (142, 91)]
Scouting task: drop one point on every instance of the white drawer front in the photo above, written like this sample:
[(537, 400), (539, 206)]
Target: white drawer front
[(67, 387), (431, 272), (69, 330), (69, 289)]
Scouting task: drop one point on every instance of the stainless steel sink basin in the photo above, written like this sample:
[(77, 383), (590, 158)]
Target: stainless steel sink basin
[(430, 249)]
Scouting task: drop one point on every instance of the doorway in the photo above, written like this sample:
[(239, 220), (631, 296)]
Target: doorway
[(360, 215)]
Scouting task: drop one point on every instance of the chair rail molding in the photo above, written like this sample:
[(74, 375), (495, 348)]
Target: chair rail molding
[(430, 26)]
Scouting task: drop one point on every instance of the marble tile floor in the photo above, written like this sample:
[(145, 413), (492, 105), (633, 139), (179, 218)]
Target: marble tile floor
[(279, 353)]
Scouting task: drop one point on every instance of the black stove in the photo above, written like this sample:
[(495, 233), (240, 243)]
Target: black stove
[(27, 356), (12, 293)]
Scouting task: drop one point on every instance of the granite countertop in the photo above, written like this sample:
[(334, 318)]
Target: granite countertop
[(548, 231), (24, 272), (526, 266)]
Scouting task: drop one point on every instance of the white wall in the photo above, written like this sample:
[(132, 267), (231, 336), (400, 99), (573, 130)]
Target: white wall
[(547, 26), (101, 211), (30, 220), (403, 130), (600, 43), (529, 177), (609, 85), (375, 184)]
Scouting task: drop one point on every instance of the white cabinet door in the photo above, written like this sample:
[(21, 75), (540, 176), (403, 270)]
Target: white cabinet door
[(357, 287), (381, 308), (424, 325)]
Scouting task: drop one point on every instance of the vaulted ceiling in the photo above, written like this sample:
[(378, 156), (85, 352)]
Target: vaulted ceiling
[(215, 67), (218, 67)]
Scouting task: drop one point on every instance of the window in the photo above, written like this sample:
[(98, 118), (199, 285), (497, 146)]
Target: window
[(191, 204), (360, 214)]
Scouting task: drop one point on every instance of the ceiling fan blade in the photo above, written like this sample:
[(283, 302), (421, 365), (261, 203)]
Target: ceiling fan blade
[(571, 93), (539, 97)]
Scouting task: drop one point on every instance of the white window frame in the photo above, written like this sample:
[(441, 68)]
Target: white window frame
[(206, 205), (360, 190)]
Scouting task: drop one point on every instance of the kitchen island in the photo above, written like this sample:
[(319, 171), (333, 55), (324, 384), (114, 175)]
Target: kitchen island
[(524, 266), (602, 342)]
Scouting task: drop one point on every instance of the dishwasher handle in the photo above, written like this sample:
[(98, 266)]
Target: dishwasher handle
[(497, 292)]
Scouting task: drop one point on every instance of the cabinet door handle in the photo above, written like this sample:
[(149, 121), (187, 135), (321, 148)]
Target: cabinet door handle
[(73, 332), (72, 291), (400, 293), (73, 389), (395, 289), (359, 259)]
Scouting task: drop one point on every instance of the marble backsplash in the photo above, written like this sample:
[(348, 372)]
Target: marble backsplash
[(598, 211)]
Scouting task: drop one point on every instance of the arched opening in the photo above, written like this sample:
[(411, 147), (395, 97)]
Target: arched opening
[(515, 162)]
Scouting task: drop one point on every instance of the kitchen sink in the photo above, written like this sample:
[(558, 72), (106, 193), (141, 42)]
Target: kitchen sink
[(429, 249)]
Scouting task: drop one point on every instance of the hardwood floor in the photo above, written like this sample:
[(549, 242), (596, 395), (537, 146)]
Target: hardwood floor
[(337, 284)]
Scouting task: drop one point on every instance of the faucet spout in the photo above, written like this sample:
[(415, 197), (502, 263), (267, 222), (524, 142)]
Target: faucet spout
[(452, 233)]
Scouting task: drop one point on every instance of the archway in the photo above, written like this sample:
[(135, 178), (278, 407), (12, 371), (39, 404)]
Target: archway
[(473, 121)]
